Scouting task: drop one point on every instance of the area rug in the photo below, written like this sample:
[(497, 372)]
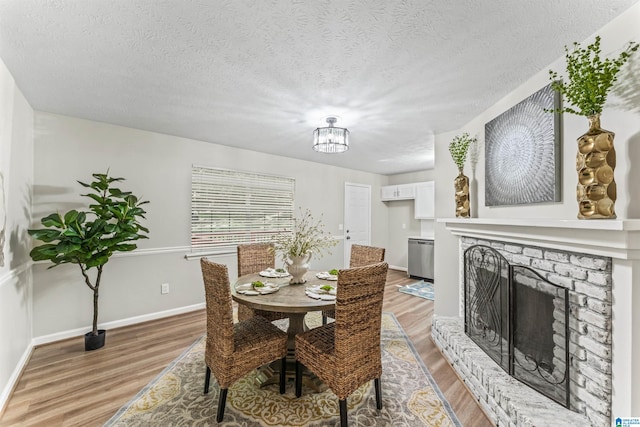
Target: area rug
[(176, 398), (420, 289)]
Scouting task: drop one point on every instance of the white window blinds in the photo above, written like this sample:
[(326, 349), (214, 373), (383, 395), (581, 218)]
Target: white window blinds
[(232, 207)]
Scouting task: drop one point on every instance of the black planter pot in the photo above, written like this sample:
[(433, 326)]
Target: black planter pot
[(94, 342)]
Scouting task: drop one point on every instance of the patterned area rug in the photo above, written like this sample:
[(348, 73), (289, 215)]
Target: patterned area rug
[(175, 397), (420, 289)]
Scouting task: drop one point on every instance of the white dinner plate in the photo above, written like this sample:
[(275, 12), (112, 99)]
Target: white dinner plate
[(324, 297), (248, 289), (326, 276), (272, 273), (318, 290)]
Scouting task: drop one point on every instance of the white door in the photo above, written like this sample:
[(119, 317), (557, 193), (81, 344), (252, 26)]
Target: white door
[(357, 217)]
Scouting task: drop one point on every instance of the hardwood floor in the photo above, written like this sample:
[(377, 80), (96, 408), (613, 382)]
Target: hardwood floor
[(62, 385), (414, 314)]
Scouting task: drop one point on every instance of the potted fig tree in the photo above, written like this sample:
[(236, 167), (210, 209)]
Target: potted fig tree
[(89, 239)]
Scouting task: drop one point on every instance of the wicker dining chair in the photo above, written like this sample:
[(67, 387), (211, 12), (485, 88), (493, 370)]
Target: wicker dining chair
[(360, 256), (234, 350), (346, 354), (253, 258)]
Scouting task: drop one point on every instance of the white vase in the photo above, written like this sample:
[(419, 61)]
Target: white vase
[(298, 266)]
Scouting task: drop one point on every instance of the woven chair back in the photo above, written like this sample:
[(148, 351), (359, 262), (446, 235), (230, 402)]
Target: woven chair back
[(358, 312), (255, 257), (364, 255), (219, 308)]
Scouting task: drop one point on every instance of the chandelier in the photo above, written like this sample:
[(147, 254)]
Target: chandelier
[(331, 139)]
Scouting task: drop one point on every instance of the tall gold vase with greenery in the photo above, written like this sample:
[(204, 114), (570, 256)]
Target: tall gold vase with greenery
[(588, 82), (459, 148)]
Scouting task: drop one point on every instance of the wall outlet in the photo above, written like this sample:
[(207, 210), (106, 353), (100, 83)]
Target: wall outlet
[(164, 288)]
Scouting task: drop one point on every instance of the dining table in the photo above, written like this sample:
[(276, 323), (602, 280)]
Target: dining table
[(291, 299)]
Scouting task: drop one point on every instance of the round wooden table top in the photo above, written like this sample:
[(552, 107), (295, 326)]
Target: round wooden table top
[(288, 299)]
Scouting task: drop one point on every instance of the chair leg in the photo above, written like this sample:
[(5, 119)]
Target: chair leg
[(298, 379), (207, 377), (343, 413), (283, 374), (378, 393), (324, 319), (222, 400)]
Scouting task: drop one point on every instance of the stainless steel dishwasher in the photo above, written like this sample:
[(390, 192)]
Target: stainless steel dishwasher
[(420, 259)]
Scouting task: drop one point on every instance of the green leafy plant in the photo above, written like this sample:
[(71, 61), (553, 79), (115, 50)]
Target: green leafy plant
[(89, 239), (459, 147), (307, 235), (589, 78)]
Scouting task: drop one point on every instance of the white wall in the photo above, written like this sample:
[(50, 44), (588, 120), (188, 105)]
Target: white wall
[(157, 167), (16, 167), (402, 212), (621, 115)]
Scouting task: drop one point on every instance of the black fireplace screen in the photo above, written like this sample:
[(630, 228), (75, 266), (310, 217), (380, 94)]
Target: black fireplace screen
[(520, 319)]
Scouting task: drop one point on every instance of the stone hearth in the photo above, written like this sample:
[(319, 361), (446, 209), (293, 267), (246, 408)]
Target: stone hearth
[(504, 399)]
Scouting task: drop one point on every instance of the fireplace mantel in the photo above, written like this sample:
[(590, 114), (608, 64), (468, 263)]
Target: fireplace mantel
[(618, 239), (614, 238)]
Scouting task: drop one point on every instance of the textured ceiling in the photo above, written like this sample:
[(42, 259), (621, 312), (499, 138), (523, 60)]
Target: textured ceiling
[(262, 74)]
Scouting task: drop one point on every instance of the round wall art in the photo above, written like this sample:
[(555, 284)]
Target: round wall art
[(522, 152)]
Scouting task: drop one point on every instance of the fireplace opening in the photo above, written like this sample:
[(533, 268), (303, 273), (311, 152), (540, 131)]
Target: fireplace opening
[(519, 319), (533, 324)]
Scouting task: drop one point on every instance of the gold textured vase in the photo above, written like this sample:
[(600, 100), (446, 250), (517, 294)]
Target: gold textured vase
[(461, 183), (595, 163)]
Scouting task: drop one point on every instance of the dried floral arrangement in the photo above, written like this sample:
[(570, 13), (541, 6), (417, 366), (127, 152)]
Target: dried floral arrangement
[(308, 235)]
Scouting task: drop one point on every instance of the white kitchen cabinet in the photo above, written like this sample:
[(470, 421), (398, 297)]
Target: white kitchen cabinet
[(388, 192), (398, 192), (425, 200)]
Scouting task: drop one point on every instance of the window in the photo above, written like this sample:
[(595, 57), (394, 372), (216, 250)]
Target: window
[(232, 207)]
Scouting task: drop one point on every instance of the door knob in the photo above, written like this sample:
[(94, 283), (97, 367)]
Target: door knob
[(348, 237)]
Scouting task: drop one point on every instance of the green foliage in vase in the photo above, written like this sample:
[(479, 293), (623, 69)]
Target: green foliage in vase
[(89, 239), (589, 78), (307, 235), (459, 148)]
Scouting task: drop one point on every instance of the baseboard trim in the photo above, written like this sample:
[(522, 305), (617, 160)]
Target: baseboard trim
[(396, 267), (58, 336), (7, 392)]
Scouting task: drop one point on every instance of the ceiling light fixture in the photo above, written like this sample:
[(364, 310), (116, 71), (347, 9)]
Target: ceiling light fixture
[(331, 139)]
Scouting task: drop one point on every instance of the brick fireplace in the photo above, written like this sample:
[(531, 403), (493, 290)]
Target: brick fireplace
[(598, 263)]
